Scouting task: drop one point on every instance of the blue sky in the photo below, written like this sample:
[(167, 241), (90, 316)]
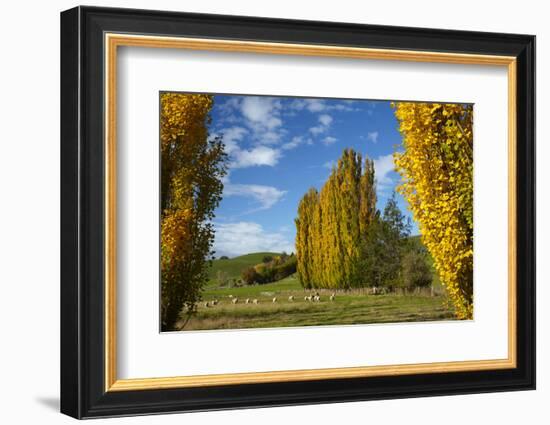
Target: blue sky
[(278, 148)]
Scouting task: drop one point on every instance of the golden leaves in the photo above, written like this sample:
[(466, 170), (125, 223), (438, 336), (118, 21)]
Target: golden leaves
[(437, 172), (331, 225), (192, 167)]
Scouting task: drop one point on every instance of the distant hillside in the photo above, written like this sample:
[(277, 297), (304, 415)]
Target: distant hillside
[(234, 266)]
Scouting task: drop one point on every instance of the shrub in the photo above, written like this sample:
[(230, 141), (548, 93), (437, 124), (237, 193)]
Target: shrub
[(267, 259), (265, 273), (250, 276), (260, 268), (285, 269)]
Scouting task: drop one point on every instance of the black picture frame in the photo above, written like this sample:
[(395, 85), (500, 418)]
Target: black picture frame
[(83, 392)]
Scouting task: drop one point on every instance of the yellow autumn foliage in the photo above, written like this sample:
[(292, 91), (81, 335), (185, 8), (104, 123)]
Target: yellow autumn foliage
[(437, 171), (192, 167), (332, 225)]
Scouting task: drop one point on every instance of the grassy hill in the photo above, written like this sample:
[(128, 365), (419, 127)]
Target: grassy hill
[(234, 266)]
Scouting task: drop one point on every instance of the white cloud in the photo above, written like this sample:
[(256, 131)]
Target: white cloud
[(344, 107), (261, 129), (329, 140), (294, 143), (260, 124), (317, 130), (233, 239), (263, 116), (315, 105), (231, 138), (312, 105), (242, 158), (372, 136), (266, 196), (325, 119), (260, 155), (321, 105), (297, 104), (383, 166), (270, 137), (230, 104), (227, 110), (263, 110)]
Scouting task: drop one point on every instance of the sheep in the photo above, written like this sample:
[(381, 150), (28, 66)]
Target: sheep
[(317, 298), (332, 296), (206, 304), (214, 302), (308, 298), (230, 296), (235, 300), (255, 301), (247, 301), (291, 298), (274, 299)]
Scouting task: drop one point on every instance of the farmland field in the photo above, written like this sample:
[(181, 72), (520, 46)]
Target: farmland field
[(354, 307)]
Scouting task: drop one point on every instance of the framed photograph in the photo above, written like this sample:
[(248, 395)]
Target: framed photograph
[(261, 212)]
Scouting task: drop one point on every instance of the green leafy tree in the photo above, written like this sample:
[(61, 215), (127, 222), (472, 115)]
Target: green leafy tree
[(416, 271), (373, 249), (395, 229)]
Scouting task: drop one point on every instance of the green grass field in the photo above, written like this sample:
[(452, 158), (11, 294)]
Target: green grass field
[(347, 308)]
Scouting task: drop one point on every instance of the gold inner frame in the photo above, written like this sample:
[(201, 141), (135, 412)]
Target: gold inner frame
[(113, 41)]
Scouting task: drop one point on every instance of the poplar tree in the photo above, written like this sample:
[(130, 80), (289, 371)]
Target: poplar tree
[(348, 206), (304, 230), (332, 224), (191, 186), (319, 256), (368, 197), (331, 265), (369, 227), (437, 171)]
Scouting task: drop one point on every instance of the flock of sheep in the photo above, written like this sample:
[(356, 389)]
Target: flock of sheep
[(308, 298)]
